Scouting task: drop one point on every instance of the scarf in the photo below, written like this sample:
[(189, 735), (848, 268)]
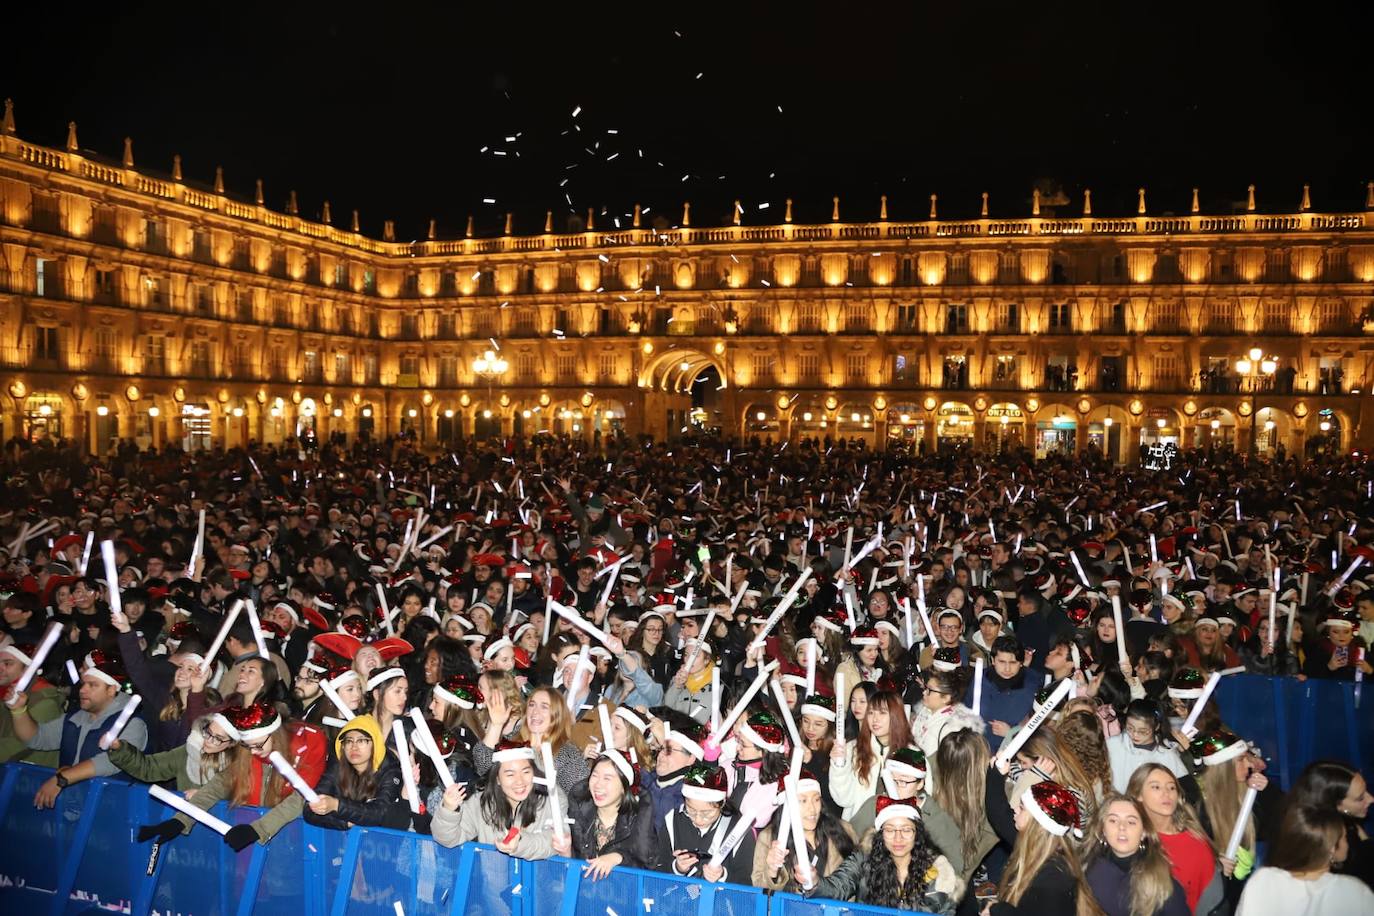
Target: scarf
[(701, 680)]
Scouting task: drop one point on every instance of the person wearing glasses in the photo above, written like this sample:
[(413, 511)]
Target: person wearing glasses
[(695, 833), (902, 869), (650, 641), (362, 787), (1144, 740), (250, 778), (193, 764), (940, 713)]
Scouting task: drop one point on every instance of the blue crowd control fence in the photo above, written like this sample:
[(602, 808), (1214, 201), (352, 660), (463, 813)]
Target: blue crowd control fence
[(82, 857)]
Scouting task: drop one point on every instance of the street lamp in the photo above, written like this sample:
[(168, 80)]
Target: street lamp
[(490, 366), (1256, 372)]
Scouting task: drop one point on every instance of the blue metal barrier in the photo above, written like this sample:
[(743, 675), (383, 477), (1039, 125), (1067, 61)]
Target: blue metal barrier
[(82, 856)]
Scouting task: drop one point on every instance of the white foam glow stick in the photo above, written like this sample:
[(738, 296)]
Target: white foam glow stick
[(337, 700), (1120, 630), (289, 773), (811, 651), (759, 680), (578, 621), (783, 607), (603, 715), (1344, 576), (715, 697), (1009, 748), (72, 672), (906, 621), (424, 741), (611, 568), (221, 635), (86, 554), (841, 706), (433, 537), (257, 628), (174, 800), (111, 577), (386, 611), (786, 712), (125, 715), (1190, 725), (848, 547), (398, 732), (978, 686), (605, 593), (798, 834), (199, 547), (1273, 612), (560, 829), (1082, 576), (733, 839), (710, 619), (1242, 819), (40, 655)]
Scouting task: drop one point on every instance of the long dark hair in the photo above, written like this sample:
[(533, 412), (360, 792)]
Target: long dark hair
[(496, 809), (898, 732), (1307, 839), (880, 872), (353, 784), (1323, 784), (830, 834)]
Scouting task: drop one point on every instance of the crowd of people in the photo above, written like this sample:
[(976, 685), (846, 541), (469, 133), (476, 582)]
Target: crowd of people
[(953, 683)]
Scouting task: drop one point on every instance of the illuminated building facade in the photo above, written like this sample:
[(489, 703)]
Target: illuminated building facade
[(146, 307)]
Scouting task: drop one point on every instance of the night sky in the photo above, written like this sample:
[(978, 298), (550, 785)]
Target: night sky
[(389, 111)]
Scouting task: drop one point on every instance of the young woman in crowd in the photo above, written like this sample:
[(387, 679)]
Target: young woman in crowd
[(1332, 785), (613, 823), (1125, 863), (1298, 875), (207, 750), (546, 720), (960, 791), (940, 711), (691, 841), (1192, 859), (362, 787), (855, 765), (829, 841), (1144, 739), (511, 812)]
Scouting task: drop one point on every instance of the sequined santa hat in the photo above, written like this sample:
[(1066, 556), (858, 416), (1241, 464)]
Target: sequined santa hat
[(705, 782), (764, 732), (1054, 807), (946, 658), (460, 691), (1218, 746), (907, 762), (887, 808), (1187, 684), (249, 724), (507, 751), (864, 636)]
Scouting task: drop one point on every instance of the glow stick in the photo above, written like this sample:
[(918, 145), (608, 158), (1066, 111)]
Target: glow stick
[(1078, 566), (1273, 611), (1238, 831), (173, 800), (863, 552), (337, 700), (548, 604), (849, 606), (72, 673), (715, 697), (398, 731), (1009, 748), (86, 554), (978, 686), (257, 629), (783, 607), (605, 594), (220, 637), (1154, 549), (848, 547), (611, 568), (386, 611), (811, 651), (555, 810), (607, 735), (1190, 725), (289, 773), (1120, 630), (732, 839), (111, 578), (434, 537), (1344, 576), (906, 621), (578, 621), (199, 545), (50, 639), (841, 706), (125, 715), (423, 740), (786, 712), (759, 680), (793, 805), (710, 619)]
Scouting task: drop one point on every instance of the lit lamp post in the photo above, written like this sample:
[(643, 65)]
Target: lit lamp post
[(1254, 369), (490, 366)]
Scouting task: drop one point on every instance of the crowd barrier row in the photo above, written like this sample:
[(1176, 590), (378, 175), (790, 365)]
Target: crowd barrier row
[(83, 856)]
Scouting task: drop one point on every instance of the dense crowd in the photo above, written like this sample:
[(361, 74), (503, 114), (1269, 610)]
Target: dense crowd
[(950, 683)]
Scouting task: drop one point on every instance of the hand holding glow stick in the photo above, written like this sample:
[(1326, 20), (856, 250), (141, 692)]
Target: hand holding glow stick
[(220, 637), (125, 715), (1190, 725), (111, 578), (40, 655), (1242, 819), (289, 773), (398, 731), (978, 686), (759, 680), (1121, 655), (1009, 748), (560, 829), (257, 628), (174, 800)]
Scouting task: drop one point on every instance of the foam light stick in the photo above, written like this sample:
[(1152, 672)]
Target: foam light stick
[(174, 800), (841, 706), (560, 829), (1233, 844), (50, 639), (424, 742), (978, 686), (1009, 748), (1121, 655), (750, 692), (578, 621), (386, 611), (111, 577), (848, 548), (199, 547), (1190, 724), (1082, 576), (337, 700), (607, 734), (86, 554), (811, 652), (798, 834), (734, 838), (786, 712), (72, 673), (222, 635), (257, 628), (906, 621), (398, 731), (125, 715), (715, 697), (782, 608), (1344, 576), (434, 537), (289, 773)]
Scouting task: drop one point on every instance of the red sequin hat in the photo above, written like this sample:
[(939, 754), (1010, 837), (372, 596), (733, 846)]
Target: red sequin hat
[(1054, 807), (887, 808), (461, 691), (249, 724)]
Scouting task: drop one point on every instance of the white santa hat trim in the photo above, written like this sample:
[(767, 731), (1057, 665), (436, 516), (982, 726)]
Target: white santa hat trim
[(495, 648), (381, 677), (1054, 827), (513, 753), (688, 745), (894, 811), (632, 718), (820, 712), (697, 793)]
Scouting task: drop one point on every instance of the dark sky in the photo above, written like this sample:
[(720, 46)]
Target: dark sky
[(386, 107)]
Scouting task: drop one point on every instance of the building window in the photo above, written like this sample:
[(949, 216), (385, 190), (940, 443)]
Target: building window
[(1166, 316), (448, 371), (762, 365), (1166, 372), (908, 317), (856, 367), (956, 318), (410, 367), (155, 355), (42, 268), (809, 368), (1278, 316), (1334, 316), (1009, 318), (370, 373), (606, 371), (341, 370), (1004, 372), (105, 349), (340, 275), (311, 369), (200, 359), (760, 319), (525, 323), (903, 368), (1061, 317), (809, 318), (410, 327), (45, 344), (524, 367), (566, 367)]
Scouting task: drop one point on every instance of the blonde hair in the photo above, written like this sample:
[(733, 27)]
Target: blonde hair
[(1185, 819), (1081, 733), (1035, 846), (560, 720), (515, 700), (1068, 769), (1222, 793), (1151, 876)]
